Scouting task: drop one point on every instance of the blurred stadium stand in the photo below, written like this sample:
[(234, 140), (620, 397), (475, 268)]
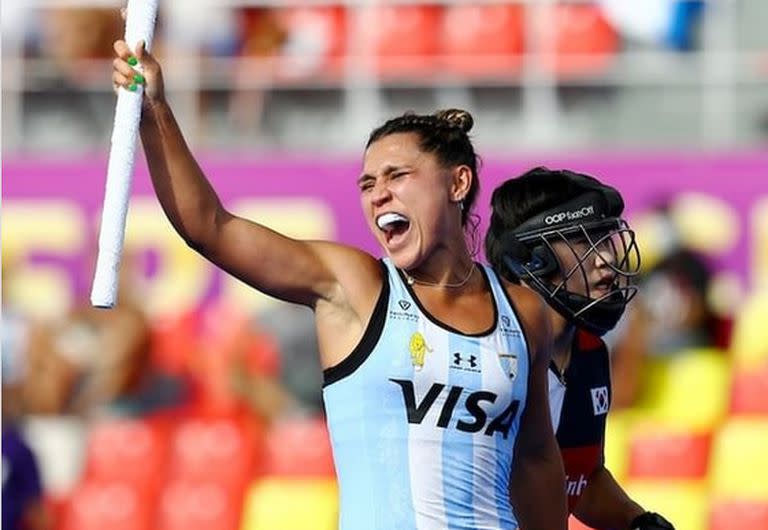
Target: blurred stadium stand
[(540, 76), (578, 65)]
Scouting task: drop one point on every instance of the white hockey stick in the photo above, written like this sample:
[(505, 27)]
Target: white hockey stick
[(139, 25)]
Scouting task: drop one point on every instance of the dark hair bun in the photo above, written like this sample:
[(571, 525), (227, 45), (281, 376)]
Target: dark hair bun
[(460, 119)]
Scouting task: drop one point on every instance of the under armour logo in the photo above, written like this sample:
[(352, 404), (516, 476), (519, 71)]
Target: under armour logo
[(458, 359), (404, 304)]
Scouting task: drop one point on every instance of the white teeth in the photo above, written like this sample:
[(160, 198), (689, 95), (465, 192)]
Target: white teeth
[(386, 220)]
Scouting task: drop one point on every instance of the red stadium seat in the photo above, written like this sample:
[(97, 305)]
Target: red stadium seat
[(584, 42), (655, 454), (108, 505), (405, 38), (479, 39), (222, 450), (749, 390), (299, 448), (739, 515), (190, 505), (316, 41), (214, 393), (57, 506), (230, 329), (174, 341), (134, 451), (227, 342)]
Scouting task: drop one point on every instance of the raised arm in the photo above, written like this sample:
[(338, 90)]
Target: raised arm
[(538, 478), (297, 271)]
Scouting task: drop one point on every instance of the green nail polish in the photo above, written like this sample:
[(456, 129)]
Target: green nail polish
[(132, 87), (133, 61), (138, 78)]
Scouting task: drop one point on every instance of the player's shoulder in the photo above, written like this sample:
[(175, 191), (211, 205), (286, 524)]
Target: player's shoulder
[(344, 258), (526, 301), (358, 276), (532, 312), (592, 350)]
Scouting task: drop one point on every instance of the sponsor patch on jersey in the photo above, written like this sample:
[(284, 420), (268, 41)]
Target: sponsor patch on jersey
[(475, 407), (579, 464), (599, 400), (402, 311), (506, 327), (574, 486), (511, 364)]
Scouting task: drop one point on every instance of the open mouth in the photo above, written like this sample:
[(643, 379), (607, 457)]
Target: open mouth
[(603, 287), (393, 224)]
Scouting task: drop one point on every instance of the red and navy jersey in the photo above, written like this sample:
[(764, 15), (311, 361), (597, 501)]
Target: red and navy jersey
[(579, 403)]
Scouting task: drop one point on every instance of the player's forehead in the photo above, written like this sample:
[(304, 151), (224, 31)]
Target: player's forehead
[(394, 150), (581, 240)]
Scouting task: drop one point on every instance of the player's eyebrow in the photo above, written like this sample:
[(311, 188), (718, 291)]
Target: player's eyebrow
[(388, 170), (365, 177)]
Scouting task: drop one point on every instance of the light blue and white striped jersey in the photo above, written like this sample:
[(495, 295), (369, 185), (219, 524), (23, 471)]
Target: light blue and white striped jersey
[(423, 418)]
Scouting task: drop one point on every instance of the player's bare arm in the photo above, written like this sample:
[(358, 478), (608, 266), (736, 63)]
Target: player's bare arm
[(604, 504), (537, 492), (340, 282)]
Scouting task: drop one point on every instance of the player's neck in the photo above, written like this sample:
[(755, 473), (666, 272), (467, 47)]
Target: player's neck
[(563, 334), (563, 343), (449, 269)]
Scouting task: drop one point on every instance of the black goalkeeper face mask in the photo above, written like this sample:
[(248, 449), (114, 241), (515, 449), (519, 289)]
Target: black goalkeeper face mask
[(590, 234)]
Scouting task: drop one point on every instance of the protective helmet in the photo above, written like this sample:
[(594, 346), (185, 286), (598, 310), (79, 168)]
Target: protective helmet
[(591, 226)]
